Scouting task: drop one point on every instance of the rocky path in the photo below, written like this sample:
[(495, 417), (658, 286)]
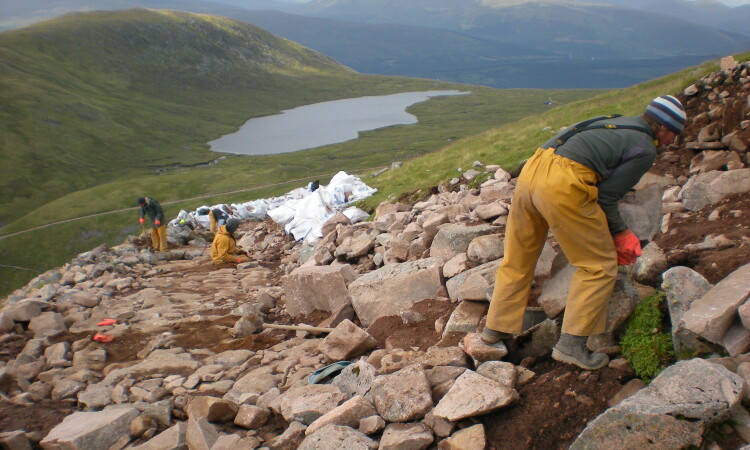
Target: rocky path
[(189, 364)]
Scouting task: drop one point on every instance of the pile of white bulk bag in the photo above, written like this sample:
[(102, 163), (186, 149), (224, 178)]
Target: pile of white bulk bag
[(301, 211)]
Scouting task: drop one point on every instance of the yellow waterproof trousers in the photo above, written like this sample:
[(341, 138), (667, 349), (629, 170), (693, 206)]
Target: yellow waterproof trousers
[(159, 238), (558, 194), (212, 224)]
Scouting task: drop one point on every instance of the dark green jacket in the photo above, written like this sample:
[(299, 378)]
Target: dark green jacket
[(154, 211), (620, 157)]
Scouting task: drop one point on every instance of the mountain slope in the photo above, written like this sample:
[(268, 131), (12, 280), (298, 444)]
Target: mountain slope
[(89, 97)]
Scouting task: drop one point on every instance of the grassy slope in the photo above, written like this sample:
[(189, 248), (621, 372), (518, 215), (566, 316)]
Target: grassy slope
[(97, 96), (509, 144)]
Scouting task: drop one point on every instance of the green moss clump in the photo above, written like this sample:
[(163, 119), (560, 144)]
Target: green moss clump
[(647, 349), (479, 179)]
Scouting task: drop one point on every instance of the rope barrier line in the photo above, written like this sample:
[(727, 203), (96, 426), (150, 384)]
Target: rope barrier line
[(88, 216), (20, 268)]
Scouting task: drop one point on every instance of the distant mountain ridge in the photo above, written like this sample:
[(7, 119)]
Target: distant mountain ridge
[(460, 14), (577, 28), (513, 44), (707, 12), (498, 43)]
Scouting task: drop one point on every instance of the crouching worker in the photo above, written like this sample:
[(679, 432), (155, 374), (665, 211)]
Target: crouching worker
[(571, 186), (155, 213), (224, 247)]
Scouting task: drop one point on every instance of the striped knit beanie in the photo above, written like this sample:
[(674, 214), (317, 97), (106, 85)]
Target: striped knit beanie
[(668, 111)]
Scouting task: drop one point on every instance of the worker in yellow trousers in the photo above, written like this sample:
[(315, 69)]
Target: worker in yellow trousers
[(571, 187), (153, 209)]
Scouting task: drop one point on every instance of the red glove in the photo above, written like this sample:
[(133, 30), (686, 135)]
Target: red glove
[(141, 221), (157, 223), (101, 337), (239, 260), (628, 247)]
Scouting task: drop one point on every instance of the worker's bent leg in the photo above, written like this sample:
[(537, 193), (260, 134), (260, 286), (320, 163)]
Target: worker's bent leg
[(580, 227), (212, 223), (162, 230), (525, 234), (155, 239)]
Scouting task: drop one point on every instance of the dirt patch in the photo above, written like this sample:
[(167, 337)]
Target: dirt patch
[(414, 330), (10, 346), (37, 419), (689, 229), (554, 408), (125, 348), (253, 342)]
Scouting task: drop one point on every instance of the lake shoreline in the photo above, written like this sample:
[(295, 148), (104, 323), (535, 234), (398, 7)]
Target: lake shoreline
[(323, 123)]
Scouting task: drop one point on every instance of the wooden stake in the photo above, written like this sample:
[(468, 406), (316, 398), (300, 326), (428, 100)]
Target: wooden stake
[(298, 327)]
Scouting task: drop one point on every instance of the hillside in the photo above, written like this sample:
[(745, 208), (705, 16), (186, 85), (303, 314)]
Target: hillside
[(123, 346), (100, 96)]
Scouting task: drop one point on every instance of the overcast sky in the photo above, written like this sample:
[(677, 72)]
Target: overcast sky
[(726, 2)]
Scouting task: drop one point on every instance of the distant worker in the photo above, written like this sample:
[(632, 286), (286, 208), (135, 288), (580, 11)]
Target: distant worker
[(571, 186), (158, 225), (216, 218), (224, 246)]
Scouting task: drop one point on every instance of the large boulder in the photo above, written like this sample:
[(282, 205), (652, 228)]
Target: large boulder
[(90, 430), (306, 404), (473, 395), (337, 436), (683, 286), (395, 287), (346, 341), (712, 315), (472, 284), (711, 187), (452, 239), (641, 211), (672, 412), (403, 396), (322, 288)]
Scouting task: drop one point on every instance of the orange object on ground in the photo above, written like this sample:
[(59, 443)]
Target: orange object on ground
[(106, 322), (100, 337)]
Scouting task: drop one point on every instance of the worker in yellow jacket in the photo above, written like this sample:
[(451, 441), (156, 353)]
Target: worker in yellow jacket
[(224, 247)]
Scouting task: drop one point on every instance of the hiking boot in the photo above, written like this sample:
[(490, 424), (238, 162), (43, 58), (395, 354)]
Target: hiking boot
[(532, 317), (492, 337), (572, 350)]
